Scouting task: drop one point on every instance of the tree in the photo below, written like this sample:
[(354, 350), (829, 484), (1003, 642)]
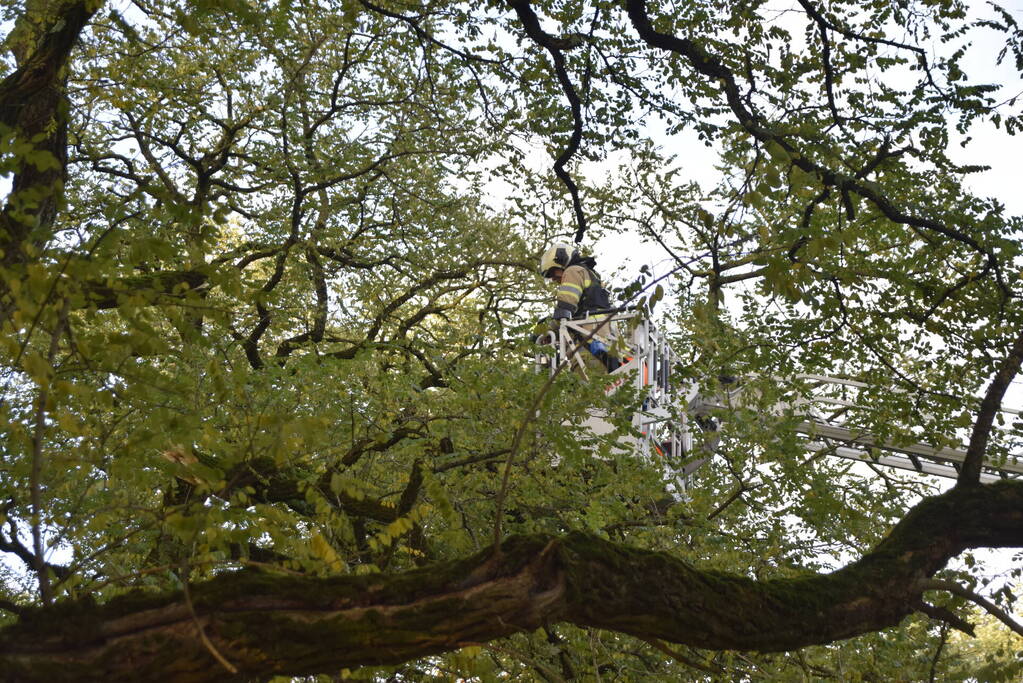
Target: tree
[(266, 407)]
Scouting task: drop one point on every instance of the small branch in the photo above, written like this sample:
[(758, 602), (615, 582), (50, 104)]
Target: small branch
[(567, 670), (471, 460), (411, 492), (740, 489), (35, 476), (202, 633), (946, 616), (688, 661), (1007, 370), (943, 639), (829, 77), (9, 606), (555, 46), (517, 443), (823, 22), (14, 545), (546, 671), (415, 24), (963, 592)]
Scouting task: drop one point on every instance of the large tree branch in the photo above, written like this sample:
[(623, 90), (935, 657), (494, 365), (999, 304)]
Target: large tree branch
[(266, 623)]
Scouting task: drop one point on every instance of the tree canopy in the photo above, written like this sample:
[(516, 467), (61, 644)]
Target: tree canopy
[(268, 296)]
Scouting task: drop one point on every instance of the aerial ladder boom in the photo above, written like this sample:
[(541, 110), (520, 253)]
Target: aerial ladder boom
[(671, 411), (843, 440)]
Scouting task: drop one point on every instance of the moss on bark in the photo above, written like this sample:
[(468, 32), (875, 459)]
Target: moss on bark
[(265, 623)]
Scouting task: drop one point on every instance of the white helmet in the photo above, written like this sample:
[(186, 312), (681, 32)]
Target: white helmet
[(558, 256)]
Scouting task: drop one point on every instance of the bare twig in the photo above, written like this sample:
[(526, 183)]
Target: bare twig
[(688, 661), (202, 632), (741, 488), (35, 476), (531, 413)]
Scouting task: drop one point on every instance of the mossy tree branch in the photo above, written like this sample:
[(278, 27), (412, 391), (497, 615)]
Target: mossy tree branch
[(266, 623)]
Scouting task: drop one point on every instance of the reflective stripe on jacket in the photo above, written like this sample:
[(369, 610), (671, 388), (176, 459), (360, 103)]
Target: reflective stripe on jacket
[(574, 281), (580, 292)]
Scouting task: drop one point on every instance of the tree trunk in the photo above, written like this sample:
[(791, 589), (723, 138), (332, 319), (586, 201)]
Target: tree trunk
[(34, 121)]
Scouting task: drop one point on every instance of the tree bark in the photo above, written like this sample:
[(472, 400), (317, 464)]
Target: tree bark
[(34, 118), (266, 624)]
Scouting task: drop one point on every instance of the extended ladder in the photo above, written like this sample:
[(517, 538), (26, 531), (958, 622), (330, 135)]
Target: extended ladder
[(824, 406), (669, 412)]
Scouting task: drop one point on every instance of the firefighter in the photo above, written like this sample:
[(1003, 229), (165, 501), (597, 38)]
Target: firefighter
[(580, 295)]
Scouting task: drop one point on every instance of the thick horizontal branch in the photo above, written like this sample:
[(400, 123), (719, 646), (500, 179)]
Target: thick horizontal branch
[(112, 293), (265, 623)]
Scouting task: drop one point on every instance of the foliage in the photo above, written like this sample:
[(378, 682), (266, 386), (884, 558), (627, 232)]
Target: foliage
[(265, 305)]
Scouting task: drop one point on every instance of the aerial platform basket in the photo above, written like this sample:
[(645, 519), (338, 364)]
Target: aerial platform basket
[(647, 362)]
